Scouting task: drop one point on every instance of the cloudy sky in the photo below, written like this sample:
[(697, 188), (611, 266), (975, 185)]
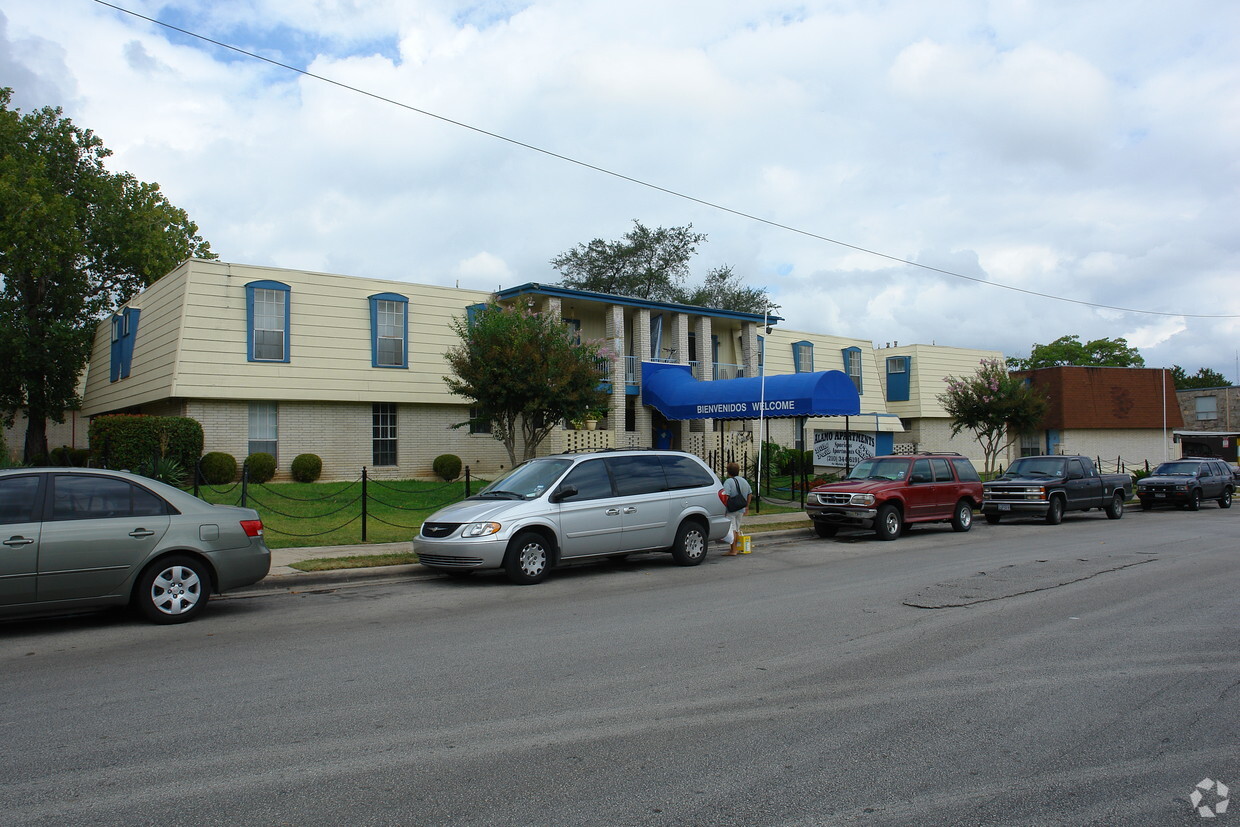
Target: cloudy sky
[(1082, 150)]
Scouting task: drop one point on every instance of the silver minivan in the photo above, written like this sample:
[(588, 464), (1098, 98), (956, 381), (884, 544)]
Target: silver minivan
[(577, 506)]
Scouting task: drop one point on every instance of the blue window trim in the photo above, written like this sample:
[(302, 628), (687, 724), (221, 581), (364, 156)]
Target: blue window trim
[(471, 313), (124, 331), (898, 381), (374, 328), (249, 319), (803, 357), (845, 354)]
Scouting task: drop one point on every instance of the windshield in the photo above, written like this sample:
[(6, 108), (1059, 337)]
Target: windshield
[(528, 480), (1176, 469), (1036, 467), (892, 468)]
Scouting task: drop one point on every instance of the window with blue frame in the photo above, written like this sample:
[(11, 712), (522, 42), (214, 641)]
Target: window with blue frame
[(267, 312), (124, 331), (897, 378), (389, 330), (803, 357), (852, 365)]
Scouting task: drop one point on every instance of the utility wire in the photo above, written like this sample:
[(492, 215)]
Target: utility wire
[(684, 196)]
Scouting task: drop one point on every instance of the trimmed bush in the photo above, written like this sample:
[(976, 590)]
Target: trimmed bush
[(127, 441), (218, 468), (447, 467), (261, 466), (306, 467)]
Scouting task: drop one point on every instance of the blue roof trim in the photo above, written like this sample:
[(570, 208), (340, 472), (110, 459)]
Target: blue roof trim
[(628, 301), (673, 392)]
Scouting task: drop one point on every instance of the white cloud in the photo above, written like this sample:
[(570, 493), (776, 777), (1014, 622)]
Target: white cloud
[(1082, 151)]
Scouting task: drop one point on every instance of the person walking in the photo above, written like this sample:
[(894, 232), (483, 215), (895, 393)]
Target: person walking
[(739, 495)]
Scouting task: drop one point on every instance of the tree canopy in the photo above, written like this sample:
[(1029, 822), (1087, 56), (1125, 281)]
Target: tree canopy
[(994, 405), (1070, 350), (1203, 378), (654, 265), (523, 372), (75, 242)]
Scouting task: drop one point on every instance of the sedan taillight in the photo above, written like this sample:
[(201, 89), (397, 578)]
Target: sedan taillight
[(252, 528)]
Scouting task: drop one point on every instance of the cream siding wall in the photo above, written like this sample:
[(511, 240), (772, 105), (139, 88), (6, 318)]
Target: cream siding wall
[(929, 365), (153, 369), (330, 335)]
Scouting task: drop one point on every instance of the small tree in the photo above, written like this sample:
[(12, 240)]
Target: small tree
[(994, 405), (524, 372)]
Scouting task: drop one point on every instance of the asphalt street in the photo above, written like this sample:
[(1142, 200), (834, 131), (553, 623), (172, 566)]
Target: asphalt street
[(1019, 674)]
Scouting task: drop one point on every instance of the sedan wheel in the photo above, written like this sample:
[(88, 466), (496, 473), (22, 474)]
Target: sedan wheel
[(173, 590)]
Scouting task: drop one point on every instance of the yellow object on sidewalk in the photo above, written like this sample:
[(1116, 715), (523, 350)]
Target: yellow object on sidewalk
[(743, 545)]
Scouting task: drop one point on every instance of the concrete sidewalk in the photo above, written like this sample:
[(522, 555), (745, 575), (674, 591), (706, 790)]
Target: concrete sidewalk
[(284, 576)]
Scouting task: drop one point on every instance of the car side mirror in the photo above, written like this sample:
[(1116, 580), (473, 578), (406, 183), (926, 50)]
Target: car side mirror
[(563, 493), (919, 478)]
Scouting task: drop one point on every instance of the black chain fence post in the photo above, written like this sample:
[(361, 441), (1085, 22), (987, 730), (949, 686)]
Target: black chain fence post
[(245, 481), (467, 480), (363, 503)]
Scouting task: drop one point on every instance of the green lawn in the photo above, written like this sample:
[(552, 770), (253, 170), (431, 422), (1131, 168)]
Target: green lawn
[(296, 515)]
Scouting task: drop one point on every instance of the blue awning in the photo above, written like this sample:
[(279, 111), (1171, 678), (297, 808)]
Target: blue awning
[(673, 392)]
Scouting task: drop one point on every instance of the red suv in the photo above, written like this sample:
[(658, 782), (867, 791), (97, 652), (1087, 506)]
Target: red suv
[(885, 493)]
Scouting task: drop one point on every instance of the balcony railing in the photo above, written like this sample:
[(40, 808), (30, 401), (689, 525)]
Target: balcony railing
[(719, 370)]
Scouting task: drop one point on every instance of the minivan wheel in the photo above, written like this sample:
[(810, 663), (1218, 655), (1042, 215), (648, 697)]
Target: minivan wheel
[(690, 546), (173, 590), (1115, 509), (527, 559), (888, 522), (962, 518)]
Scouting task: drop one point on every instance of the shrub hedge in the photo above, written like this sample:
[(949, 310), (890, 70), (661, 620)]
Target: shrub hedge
[(218, 468), (447, 467), (128, 441)]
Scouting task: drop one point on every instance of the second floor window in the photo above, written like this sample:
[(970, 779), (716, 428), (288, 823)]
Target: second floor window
[(852, 365), (803, 357), (389, 330), (267, 305), (1207, 408)]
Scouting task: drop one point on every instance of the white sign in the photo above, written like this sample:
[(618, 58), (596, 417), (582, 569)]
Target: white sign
[(830, 447)]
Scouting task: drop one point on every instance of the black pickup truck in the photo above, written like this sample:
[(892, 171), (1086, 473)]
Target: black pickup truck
[(1049, 486)]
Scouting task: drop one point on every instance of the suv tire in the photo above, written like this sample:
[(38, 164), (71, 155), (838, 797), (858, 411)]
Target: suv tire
[(1225, 500), (690, 546), (825, 530), (528, 559), (1194, 500), (993, 519), (962, 517), (888, 522)]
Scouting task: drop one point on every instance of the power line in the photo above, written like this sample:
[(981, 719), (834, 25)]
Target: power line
[(684, 196)]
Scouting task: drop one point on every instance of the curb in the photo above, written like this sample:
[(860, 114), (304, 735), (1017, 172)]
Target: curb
[(338, 578)]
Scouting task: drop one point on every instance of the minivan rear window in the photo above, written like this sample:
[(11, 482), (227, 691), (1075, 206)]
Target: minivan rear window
[(637, 475), (683, 472)]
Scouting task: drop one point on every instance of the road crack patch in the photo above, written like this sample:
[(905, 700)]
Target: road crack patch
[(1017, 579)]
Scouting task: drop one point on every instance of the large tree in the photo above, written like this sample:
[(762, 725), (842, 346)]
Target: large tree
[(654, 265), (1203, 378), (523, 372), (994, 405), (75, 241), (1070, 350)]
